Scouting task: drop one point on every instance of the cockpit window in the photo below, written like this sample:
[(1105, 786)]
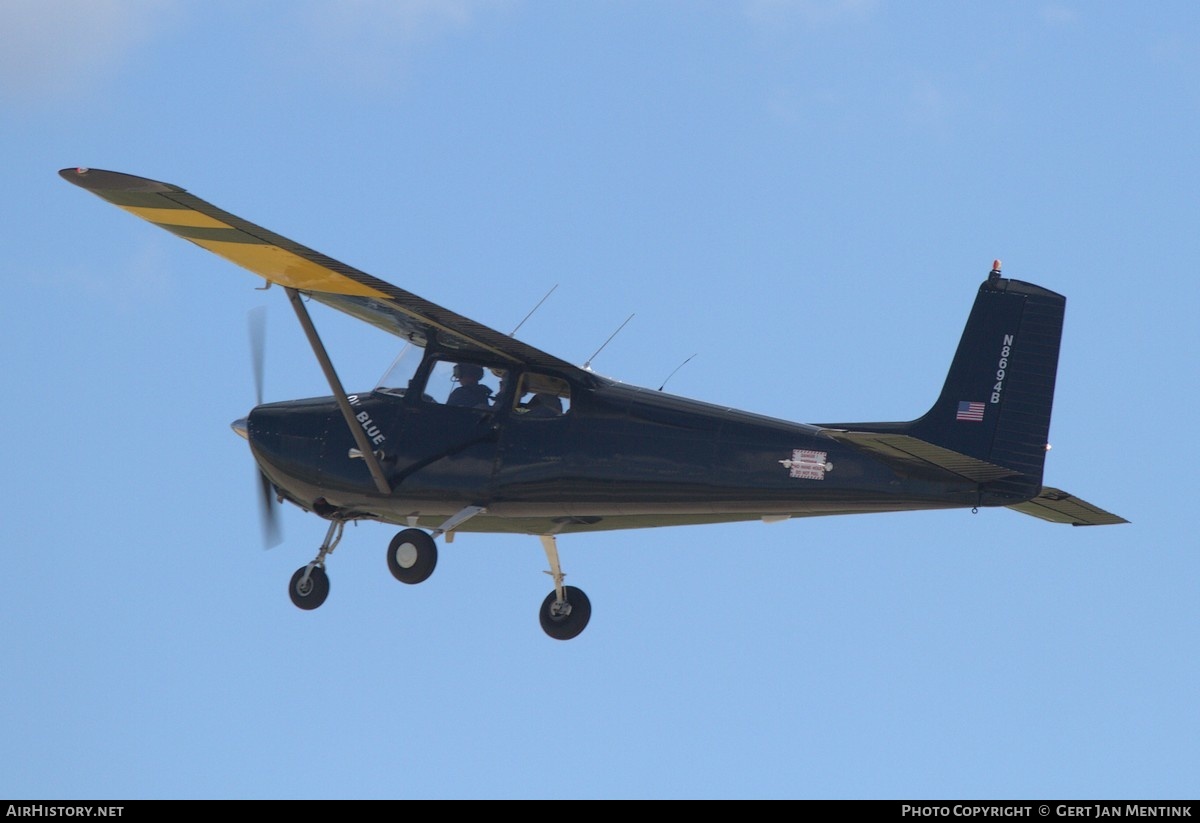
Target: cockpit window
[(464, 384), (541, 396)]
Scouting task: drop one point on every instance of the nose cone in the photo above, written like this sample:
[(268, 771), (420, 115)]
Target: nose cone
[(241, 428)]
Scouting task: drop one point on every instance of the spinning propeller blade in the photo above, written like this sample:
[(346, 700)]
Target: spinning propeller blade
[(272, 536), (257, 321), (268, 516)]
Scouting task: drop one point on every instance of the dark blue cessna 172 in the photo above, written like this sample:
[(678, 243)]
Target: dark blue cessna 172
[(477, 431)]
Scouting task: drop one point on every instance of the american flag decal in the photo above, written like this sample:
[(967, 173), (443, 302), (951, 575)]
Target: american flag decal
[(969, 411)]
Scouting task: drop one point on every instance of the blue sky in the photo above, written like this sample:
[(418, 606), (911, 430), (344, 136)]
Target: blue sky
[(804, 194)]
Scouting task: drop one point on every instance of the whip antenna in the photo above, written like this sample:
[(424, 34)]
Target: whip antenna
[(535, 308), (677, 368), (588, 364)]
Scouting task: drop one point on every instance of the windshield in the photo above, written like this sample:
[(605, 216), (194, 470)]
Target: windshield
[(396, 379)]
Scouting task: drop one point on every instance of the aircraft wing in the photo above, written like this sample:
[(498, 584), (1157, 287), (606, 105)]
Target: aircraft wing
[(283, 261), (1057, 506)]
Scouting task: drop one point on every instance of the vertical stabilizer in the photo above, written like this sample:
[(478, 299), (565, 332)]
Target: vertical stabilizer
[(996, 402)]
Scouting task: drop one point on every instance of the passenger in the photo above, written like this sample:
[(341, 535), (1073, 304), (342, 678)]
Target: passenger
[(470, 392), (545, 405)]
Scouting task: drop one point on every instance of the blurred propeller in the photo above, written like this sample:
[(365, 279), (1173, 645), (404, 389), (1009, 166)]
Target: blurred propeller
[(257, 320), (268, 516), (271, 533)]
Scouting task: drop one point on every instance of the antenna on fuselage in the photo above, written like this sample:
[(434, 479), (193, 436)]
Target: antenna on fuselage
[(588, 364), (677, 368), (535, 308)]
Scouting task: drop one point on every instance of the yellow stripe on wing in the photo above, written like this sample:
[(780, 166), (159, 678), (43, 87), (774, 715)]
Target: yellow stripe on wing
[(286, 269), (175, 217)]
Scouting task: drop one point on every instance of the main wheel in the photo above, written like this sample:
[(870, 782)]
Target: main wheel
[(312, 593), (562, 621), (412, 556)]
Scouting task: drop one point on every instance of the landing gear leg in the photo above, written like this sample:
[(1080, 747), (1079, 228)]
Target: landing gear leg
[(566, 611), (310, 585)]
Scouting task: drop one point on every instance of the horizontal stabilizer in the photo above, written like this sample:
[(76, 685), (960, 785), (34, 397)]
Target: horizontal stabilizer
[(1057, 506), (912, 456)]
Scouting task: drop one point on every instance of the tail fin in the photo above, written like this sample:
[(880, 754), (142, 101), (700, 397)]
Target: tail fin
[(995, 404), (991, 421)]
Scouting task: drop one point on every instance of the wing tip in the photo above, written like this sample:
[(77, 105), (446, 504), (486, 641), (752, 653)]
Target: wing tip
[(100, 180)]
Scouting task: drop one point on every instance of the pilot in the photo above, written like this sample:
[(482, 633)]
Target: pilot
[(470, 392)]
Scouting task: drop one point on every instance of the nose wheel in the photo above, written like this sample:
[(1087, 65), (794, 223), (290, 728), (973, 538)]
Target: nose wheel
[(309, 587)]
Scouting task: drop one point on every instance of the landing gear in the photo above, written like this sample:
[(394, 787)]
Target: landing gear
[(412, 556), (566, 611), (309, 587), (566, 618)]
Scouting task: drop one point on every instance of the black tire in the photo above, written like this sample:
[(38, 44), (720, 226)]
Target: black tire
[(566, 626), (314, 593), (412, 556)]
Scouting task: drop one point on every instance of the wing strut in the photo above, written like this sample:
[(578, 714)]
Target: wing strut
[(339, 394)]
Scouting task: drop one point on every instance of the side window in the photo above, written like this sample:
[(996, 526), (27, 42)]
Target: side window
[(464, 384), (540, 396)]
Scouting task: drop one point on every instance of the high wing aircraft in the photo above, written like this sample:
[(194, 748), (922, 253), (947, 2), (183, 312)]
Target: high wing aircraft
[(479, 432)]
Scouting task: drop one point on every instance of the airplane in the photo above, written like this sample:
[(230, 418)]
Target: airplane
[(475, 431)]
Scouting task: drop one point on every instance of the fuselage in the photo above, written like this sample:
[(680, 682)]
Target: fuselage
[(621, 457)]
